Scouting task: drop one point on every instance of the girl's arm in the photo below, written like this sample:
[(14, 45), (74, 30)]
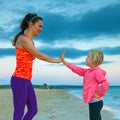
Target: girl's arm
[(104, 84), (64, 61), (103, 88), (78, 70)]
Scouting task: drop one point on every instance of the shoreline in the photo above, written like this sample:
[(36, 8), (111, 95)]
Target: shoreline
[(53, 104)]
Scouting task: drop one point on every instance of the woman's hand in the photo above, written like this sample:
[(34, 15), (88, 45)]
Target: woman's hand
[(63, 60), (62, 56)]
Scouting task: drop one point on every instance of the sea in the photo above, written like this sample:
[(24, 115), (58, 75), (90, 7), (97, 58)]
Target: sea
[(111, 99)]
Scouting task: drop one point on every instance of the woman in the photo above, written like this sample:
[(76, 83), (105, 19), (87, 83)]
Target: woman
[(23, 91)]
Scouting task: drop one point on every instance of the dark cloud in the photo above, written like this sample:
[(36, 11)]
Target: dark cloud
[(111, 50), (53, 52), (105, 21), (69, 52), (6, 52), (75, 53), (84, 63)]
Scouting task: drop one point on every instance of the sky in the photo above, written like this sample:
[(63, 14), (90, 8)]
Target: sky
[(74, 25)]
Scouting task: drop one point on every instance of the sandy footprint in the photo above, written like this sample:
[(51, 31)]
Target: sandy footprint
[(52, 118)]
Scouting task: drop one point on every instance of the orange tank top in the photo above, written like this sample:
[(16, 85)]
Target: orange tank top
[(24, 62)]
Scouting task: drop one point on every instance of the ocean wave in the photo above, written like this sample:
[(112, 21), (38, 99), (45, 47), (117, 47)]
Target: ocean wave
[(116, 113)]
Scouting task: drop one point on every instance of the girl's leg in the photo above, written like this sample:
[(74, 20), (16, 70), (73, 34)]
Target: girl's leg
[(31, 103), (19, 89), (95, 110)]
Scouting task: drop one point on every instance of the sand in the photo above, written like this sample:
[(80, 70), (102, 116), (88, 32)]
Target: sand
[(53, 104)]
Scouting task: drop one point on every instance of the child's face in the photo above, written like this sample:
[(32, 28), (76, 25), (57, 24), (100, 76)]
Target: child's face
[(89, 61)]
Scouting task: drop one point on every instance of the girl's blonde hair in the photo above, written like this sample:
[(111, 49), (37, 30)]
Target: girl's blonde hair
[(97, 56)]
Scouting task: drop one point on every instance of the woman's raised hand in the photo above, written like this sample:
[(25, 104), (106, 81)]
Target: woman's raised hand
[(62, 56)]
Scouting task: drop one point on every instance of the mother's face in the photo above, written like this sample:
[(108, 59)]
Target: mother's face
[(36, 27)]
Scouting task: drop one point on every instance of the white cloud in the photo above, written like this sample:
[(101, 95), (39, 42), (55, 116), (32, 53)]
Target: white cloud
[(61, 7), (82, 44), (6, 44), (55, 74), (8, 65)]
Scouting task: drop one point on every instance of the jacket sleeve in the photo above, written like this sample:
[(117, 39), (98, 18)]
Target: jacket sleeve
[(103, 84), (78, 70)]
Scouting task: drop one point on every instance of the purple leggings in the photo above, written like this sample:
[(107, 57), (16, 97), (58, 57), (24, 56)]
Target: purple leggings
[(23, 94)]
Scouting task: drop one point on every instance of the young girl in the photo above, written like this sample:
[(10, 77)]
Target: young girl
[(95, 84)]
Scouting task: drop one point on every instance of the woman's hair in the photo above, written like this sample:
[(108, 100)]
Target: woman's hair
[(30, 17), (97, 56)]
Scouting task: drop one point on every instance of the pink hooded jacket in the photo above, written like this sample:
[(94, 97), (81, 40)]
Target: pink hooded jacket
[(94, 81)]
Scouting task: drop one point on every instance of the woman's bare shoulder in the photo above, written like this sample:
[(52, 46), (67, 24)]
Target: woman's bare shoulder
[(21, 39)]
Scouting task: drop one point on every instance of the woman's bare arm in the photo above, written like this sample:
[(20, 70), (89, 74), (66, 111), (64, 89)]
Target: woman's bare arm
[(28, 45)]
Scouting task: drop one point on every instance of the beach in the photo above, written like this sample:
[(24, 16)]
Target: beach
[(53, 104)]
